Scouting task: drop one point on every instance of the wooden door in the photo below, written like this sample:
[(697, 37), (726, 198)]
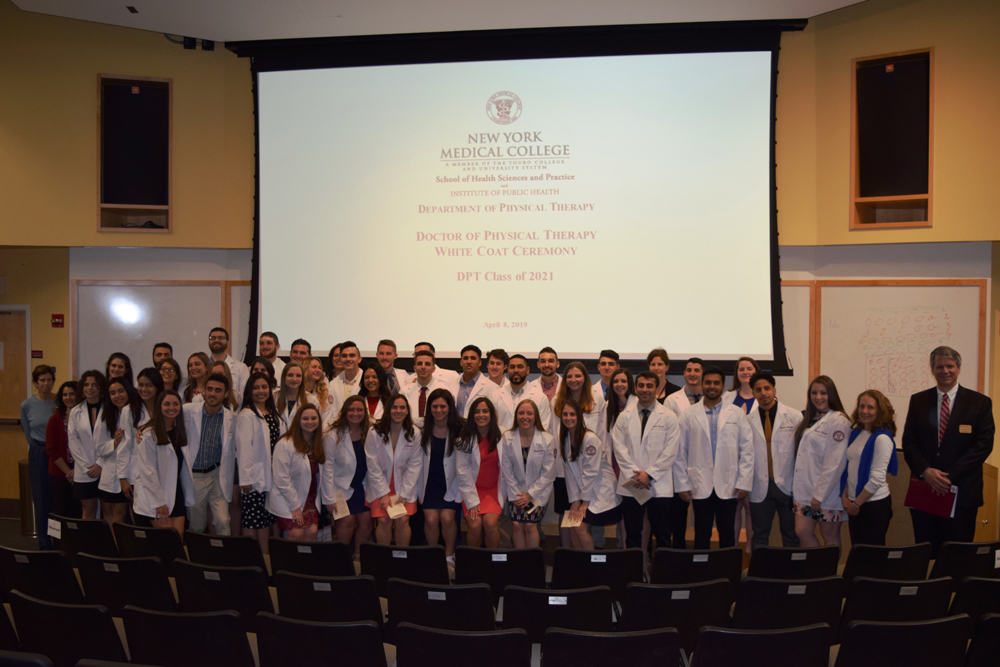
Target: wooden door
[(986, 519), (13, 373)]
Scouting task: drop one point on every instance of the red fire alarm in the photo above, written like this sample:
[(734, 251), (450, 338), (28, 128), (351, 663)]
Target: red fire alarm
[(36, 354), (888, 68), (57, 321), (135, 90)]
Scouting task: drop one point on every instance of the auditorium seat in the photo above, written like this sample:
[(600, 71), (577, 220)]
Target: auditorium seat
[(461, 607), (976, 597), (424, 564), (116, 582), (794, 563), (685, 607), (419, 646), (959, 560), (536, 610), (896, 601), (796, 647), (136, 542), (287, 641), (206, 588), (780, 604), (13, 658), (939, 642), (985, 646), (643, 648), (614, 568), (692, 566), (224, 550), (172, 639), (92, 536), (500, 568), (45, 575), (321, 559), (8, 638), (65, 633), (908, 563), (328, 599)]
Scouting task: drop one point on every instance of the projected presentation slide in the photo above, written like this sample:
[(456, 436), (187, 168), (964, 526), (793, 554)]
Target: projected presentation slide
[(581, 203)]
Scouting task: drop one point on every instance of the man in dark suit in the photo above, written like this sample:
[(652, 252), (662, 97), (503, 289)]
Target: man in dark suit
[(948, 435)]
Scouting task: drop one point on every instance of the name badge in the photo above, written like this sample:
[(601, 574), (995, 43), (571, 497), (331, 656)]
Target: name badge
[(965, 428)]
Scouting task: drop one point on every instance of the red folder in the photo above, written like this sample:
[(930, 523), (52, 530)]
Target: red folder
[(921, 497)]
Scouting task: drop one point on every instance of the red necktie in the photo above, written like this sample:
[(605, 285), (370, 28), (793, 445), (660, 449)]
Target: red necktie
[(943, 420), (423, 402)]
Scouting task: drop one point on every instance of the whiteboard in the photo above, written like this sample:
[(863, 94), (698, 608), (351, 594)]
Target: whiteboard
[(132, 318), (795, 312), (880, 337)]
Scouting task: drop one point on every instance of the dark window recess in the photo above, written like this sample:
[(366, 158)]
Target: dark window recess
[(135, 132)]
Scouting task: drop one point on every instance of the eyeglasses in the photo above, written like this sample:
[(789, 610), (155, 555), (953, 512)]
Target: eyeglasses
[(168, 371), (217, 338)]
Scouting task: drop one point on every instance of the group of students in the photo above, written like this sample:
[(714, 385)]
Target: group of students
[(272, 446)]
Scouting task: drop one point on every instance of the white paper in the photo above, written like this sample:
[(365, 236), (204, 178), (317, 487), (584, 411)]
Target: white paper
[(111, 567), (680, 595), (55, 529), (700, 558), (502, 558), (799, 556), (908, 590), (436, 595), (797, 590), (212, 576), (340, 506), (569, 522), (396, 508), (640, 494), (321, 586), (304, 549), (598, 558), (398, 553), (557, 599)]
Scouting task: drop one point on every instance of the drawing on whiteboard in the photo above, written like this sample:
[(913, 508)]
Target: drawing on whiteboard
[(896, 343)]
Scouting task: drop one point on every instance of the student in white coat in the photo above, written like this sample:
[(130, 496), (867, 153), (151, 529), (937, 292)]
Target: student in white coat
[(607, 365), (234, 399), (395, 468), (528, 468), (621, 396), (714, 467), (472, 383), (198, 369), (297, 495), (318, 387), (114, 504), (374, 389), (396, 378), (292, 394), (262, 365), (821, 441), (163, 485), (477, 464), (347, 383), (419, 390), (149, 384), (258, 428), (741, 395), (690, 393), (518, 389), (85, 429), (218, 345), (267, 347), (211, 431), (440, 499), (645, 438), (496, 366), (773, 425), (445, 376), (346, 471), (590, 480)]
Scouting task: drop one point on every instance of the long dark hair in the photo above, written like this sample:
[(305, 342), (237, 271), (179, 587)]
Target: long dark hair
[(383, 382), (156, 379), (833, 401), (384, 425), (248, 394), (563, 394), (128, 366), (111, 411), (268, 368), (455, 422), (160, 429), (60, 407), (102, 385), (580, 431), (469, 437), (613, 408), (341, 424)]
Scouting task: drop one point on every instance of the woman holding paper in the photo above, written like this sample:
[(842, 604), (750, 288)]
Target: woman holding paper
[(528, 467), (345, 473), (590, 479), (871, 455), (439, 495), (478, 466), (820, 458), (395, 466), (297, 496)]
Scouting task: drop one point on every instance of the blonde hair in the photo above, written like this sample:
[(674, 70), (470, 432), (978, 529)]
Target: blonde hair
[(321, 391)]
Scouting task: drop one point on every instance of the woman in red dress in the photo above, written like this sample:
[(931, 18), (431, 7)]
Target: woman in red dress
[(478, 468)]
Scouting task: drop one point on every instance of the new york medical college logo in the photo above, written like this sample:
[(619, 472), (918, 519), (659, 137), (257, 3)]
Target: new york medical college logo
[(504, 107)]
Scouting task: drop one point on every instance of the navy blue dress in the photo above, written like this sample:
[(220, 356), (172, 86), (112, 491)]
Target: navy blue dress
[(437, 483), (356, 503)]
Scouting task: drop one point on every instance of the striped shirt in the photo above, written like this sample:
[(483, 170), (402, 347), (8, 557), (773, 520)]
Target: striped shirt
[(210, 447)]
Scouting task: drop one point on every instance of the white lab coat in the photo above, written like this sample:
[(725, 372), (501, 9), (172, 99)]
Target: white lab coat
[(467, 468), (590, 477), (253, 447), (451, 494), (240, 373), (730, 396), (279, 366), (482, 387), (820, 461), (291, 477), (156, 472), (125, 466), (337, 472), (653, 451), (696, 472), (595, 420), (107, 458), (782, 450), (404, 466), (287, 418), (193, 413), (677, 402), (606, 433), (412, 394), (536, 478), (507, 403), (402, 378), (83, 440), (336, 389)]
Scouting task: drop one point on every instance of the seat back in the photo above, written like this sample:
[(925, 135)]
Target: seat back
[(780, 604), (644, 648), (328, 599), (174, 639), (8, 638), (614, 568), (425, 565), (92, 536), (896, 601), (985, 646), (205, 588), (536, 610), (500, 568), (14, 658), (900, 563), (321, 559), (686, 607), (794, 563), (224, 550), (940, 642), (966, 559), (976, 597), (693, 566), (417, 646), (806, 646), (287, 641), (65, 633), (464, 607), (45, 575), (136, 542), (116, 582)]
